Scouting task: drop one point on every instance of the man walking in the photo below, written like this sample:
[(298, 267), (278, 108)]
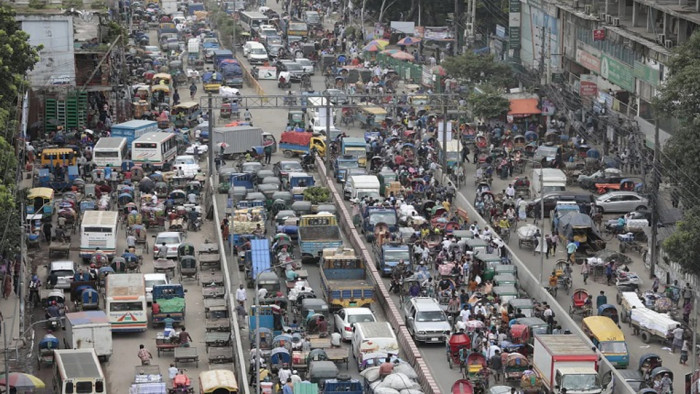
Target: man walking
[(145, 355)]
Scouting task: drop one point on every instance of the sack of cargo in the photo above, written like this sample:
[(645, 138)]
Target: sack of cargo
[(371, 374), (406, 369)]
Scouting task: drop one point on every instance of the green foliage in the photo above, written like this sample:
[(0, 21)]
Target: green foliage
[(478, 69), (317, 194), (73, 4), (37, 4), (98, 5), (683, 246), (114, 30), (16, 56), (490, 104)]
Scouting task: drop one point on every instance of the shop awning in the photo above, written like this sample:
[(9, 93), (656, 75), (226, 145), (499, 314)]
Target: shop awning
[(524, 107)]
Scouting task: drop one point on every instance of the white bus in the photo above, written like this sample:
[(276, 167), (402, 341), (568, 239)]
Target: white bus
[(78, 371), (252, 20), (98, 229), (110, 150), (155, 149), (125, 302)]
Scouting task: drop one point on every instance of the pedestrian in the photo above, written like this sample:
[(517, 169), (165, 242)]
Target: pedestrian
[(241, 295), (172, 371), (677, 338), (549, 247), (602, 299), (268, 153), (655, 284), (684, 352), (496, 365), (609, 271), (193, 90), (687, 294), (555, 239), (585, 271), (571, 249), (47, 232), (288, 387), (241, 312), (144, 355), (225, 229)]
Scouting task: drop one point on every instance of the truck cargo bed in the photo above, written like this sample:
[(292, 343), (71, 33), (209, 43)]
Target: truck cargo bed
[(319, 233)]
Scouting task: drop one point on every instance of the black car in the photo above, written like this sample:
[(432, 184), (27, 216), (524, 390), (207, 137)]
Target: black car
[(551, 199), (295, 70)]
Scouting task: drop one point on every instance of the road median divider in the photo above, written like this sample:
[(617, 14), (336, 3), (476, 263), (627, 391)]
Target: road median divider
[(250, 80)]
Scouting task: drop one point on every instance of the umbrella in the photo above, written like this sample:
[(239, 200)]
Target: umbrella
[(381, 42), (402, 56), (372, 48), (223, 145), (408, 41), (390, 51), (20, 380)]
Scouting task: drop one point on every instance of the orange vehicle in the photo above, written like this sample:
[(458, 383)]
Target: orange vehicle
[(626, 184)]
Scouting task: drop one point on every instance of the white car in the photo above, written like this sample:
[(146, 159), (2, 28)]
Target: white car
[(188, 164), (306, 64), (346, 318), (202, 149), (172, 241), (621, 202), (153, 280)]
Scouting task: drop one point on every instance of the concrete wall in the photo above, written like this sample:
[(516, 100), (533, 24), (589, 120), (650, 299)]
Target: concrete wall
[(56, 61)]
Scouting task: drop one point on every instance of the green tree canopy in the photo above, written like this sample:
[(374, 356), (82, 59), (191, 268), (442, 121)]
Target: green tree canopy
[(683, 246), (478, 69), (488, 104), (17, 56)]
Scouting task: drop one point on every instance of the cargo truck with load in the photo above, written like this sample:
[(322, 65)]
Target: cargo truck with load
[(316, 233), (239, 139), (566, 363), (295, 143), (171, 298), (344, 279), (89, 330), (133, 129)]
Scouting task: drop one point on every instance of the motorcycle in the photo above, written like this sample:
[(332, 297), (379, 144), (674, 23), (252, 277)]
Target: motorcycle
[(307, 162), (195, 225)]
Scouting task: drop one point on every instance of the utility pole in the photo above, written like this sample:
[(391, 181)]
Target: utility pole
[(327, 99), (211, 134), (654, 205), (548, 56), (23, 252), (444, 139), (543, 77), (7, 361)]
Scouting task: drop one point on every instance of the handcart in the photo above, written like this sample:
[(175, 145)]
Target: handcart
[(166, 343), (148, 379), (165, 266), (527, 236), (217, 339), (186, 355), (220, 355)]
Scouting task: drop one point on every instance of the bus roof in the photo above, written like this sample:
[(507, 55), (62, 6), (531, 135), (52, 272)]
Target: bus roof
[(109, 143), (157, 136), (254, 15), (99, 218), (604, 329), (374, 110), (125, 285)]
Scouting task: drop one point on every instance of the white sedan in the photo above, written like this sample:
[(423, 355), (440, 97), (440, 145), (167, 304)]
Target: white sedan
[(346, 318), (306, 64), (201, 149)]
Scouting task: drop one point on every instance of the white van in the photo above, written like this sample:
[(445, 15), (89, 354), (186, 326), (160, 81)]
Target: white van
[(78, 371), (373, 338), (363, 185), (64, 271), (547, 180), (255, 52), (98, 230)]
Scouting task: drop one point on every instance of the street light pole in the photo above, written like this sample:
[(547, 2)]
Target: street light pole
[(257, 328)]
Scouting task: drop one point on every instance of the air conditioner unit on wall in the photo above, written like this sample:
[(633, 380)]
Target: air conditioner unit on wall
[(616, 21), (608, 19), (601, 16), (660, 38), (668, 44), (575, 4), (587, 9)]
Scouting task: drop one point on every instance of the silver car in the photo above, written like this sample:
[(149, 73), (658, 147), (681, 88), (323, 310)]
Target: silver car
[(425, 320), (621, 202)]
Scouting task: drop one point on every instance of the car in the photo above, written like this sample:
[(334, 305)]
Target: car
[(152, 51), (306, 64), (251, 167), (188, 164), (284, 167), (338, 97), (171, 239), (425, 320), (608, 175), (551, 199), (621, 202), (283, 215), (294, 69), (202, 149), (346, 318), (153, 280), (274, 49), (64, 271)]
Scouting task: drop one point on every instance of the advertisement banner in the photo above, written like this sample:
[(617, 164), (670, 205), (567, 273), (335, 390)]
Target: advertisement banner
[(587, 60), (647, 74), (617, 72), (588, 86)]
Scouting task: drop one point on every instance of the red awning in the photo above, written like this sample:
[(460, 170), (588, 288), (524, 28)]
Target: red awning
[(524, 107)]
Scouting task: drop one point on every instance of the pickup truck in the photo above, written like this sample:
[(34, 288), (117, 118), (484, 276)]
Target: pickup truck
[(316, 233), (171, 299), (566, 362), (389, 255), (294, 143), (344, 279), (371, 216)]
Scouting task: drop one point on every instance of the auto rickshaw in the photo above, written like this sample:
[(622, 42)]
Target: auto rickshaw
[(296, 119), (160, 94), (45, 355), (218, 381), (185, 114), (188, 268), (515, 365), (610, 311), (40, 201)]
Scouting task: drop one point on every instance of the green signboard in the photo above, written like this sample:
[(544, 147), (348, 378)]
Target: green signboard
[(617, 72), (646, 73)]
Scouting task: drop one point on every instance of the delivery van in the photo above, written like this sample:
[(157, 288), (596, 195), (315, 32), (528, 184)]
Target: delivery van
[(363, 185), (547, 180), (373, 339)]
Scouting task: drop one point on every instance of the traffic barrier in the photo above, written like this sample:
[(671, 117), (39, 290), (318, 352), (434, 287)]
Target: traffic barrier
[(250, 80), (239, 359), (528, 281), (408, 346)]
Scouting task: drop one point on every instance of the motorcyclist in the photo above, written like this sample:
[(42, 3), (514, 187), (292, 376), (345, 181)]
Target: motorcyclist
[(34, 286)]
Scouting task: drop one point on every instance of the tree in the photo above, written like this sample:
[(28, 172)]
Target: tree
[(488, 104), (17, 56), (478, 68), (683, 246), (678, 98)]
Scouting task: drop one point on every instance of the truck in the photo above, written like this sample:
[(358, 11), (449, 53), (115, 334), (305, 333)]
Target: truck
[(296, 31), (220, 55), (547, 180), (359, 186), (295, 143), (232, 73), (194, 7), (171, 299), (239, 139), (257, 260), (372, 215), (77, 369), (89, 330), (193, 50), (316, 233), (344, 279), (566, 362), (390, 254), (134, 129), (357, 147), (168, 7)]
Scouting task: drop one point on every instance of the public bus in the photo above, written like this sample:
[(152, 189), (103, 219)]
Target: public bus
[(125, 302), (155, 149), (78, 371), (110, 150), (98, 229), (609, 339), (253, 20)]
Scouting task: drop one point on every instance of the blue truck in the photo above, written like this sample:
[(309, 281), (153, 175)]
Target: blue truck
[(344, 162), (171, 299), (316, 233), (371, 216), (389, 255), (232, 74), (257, 260), (344, 279), (134, 129)]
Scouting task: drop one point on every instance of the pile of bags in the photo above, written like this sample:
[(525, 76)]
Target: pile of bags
[(403, 380)]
